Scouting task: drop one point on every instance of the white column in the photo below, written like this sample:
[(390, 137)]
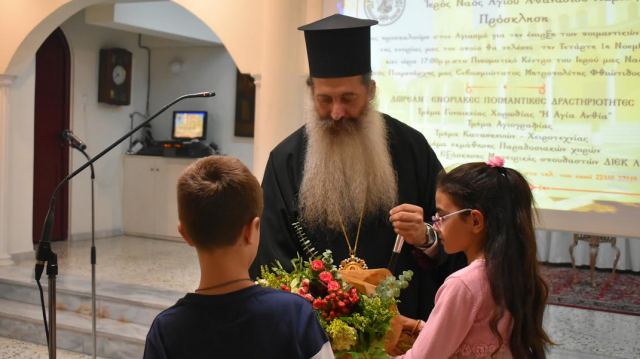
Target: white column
[(281, 88), (5, 82)]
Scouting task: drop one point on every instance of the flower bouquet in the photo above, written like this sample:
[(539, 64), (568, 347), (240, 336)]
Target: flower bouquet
[(355, 308)]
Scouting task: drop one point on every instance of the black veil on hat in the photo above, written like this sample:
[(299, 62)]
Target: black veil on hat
[(338, 46)]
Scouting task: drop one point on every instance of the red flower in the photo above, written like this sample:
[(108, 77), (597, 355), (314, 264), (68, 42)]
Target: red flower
[(333, 286), (326, 276), (317, 265)]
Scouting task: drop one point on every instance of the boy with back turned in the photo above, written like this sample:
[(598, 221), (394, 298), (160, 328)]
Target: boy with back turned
[(228, 315)]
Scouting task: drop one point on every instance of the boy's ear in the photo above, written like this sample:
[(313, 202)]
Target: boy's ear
[(251, 231), (184, 234)]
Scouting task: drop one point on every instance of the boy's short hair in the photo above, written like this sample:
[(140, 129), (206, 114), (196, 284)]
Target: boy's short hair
[(217, 196)]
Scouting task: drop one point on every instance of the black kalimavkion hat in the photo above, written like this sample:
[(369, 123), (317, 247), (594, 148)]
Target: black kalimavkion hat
[(338, 46)]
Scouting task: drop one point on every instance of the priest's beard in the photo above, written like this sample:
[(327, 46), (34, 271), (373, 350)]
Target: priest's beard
[(347, 166)]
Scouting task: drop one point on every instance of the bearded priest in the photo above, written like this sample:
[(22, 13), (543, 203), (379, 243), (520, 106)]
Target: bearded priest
[(352, 179)]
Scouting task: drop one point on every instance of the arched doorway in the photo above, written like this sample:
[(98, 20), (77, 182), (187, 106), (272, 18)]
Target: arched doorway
[(51, 117), (239, 37)]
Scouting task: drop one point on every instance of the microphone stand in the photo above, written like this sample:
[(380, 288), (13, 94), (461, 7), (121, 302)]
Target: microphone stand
[(44, 254), (93, 255)]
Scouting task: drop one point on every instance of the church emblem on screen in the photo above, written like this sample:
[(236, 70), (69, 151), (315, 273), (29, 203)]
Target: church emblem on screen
[(385, 11)]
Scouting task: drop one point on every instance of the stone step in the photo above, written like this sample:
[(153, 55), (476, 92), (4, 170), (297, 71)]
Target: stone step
[(115, 339), (121, 302)]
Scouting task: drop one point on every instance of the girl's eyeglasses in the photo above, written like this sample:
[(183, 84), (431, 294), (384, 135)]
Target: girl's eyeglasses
[(437, 220)]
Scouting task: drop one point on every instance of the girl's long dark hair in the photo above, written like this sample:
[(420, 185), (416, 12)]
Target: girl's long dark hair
[(504, 197)]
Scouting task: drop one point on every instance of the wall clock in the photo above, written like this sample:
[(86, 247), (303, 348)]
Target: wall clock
[(114, 81)]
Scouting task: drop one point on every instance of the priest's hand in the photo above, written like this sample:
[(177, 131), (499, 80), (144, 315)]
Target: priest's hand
[(408, 221)]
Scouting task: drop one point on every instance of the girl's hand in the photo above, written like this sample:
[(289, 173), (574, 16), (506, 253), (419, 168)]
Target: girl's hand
[(409, 324), (404, 338)]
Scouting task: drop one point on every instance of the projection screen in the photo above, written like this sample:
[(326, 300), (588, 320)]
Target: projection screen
[(553, 86)]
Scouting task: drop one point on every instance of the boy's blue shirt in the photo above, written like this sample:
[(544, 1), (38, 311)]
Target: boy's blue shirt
[(253, 322)]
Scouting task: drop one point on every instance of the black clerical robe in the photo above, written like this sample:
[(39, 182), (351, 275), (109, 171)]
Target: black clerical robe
[(416, 166)]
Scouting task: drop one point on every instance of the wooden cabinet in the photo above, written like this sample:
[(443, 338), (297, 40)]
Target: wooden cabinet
[(150, 203)]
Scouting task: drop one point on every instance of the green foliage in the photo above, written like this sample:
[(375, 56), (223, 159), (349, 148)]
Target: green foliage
[(360, 328), (389, 288), (343, 337)]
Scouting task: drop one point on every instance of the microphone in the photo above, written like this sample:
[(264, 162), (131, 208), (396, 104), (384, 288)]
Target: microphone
[(44, 246), (73, 140), (397, 247)]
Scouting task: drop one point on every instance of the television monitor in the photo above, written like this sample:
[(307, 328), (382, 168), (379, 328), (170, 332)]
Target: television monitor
[(189, 125)]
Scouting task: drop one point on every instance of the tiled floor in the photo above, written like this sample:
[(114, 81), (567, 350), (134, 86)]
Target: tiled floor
[(14, 349), (591, 334), (152, 262), (173, 265)]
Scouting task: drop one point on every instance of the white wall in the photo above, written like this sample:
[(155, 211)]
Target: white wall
[(99, 124), (163, 18), (204, 68), (20, 122), (26, 24)]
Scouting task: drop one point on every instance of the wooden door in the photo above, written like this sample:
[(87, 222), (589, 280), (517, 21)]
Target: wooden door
[(51, 157)]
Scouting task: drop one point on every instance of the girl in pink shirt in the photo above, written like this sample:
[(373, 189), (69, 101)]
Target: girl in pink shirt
[(493, 308)]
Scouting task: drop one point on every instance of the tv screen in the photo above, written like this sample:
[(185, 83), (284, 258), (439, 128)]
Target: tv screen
[(189, 125)]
